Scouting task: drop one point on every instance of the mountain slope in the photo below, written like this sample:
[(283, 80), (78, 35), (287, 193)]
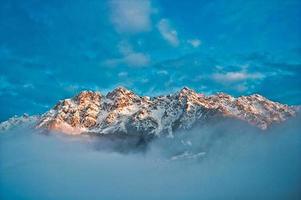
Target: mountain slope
[(16, 121), (122, 111)]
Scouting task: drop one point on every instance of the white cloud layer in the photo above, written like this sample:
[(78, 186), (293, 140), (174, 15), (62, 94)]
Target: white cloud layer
[(168, 33), (131, 16)]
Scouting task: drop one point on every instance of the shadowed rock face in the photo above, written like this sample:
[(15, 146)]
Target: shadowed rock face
[(122, 111)]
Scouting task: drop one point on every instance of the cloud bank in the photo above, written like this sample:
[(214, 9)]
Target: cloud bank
[(189, 166)]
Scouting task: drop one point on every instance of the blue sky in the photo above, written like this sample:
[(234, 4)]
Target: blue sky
[(52, 49)]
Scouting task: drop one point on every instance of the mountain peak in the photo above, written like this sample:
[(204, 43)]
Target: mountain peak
[(123, 111), (87, 95), (186, 90), (119, 91)]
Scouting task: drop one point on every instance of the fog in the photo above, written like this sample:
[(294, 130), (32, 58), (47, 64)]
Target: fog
[(225, 160)]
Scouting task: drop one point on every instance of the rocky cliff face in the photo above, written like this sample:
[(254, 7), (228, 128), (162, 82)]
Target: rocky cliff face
[(122, 111)]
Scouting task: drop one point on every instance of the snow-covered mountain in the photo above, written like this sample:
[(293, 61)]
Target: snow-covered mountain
[(122, 111), (16, 121)]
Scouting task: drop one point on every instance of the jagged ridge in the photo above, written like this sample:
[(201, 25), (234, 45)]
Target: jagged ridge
[(16, 121), (122, 111)]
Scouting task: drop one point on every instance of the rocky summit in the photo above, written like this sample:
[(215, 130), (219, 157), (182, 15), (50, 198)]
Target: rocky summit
[(123, 111)]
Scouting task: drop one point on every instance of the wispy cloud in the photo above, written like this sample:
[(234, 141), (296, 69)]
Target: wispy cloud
[(137, 59), (132, 60), (231, 77), (122, 74), (194, 42), (129, 57), (4, 83), (168, 32), (162, 72), (239, 81), (131, 16)]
